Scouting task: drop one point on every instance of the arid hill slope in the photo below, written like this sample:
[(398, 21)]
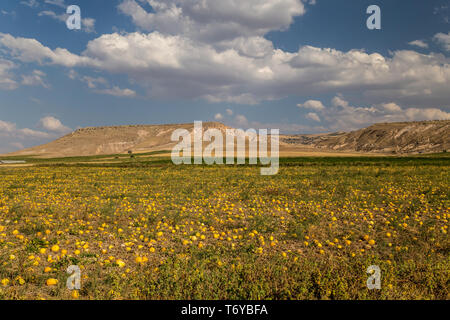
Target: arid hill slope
[(113, 140), (397, 138)]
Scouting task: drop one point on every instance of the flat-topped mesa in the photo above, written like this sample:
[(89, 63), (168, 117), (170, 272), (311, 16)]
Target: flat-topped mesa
[(144, 126), (139, 138), (212, 124)]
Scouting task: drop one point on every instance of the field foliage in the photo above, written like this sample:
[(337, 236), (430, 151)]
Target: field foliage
[(146, 229)]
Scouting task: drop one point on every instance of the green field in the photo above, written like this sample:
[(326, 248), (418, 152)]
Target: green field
[(143, 228)]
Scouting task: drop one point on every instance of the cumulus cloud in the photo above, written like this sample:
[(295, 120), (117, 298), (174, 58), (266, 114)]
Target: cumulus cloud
[(313, 116), (241, 120), (253, 47), (342, 116), (10, 130), (14, 138), (11, 136), (418, 43), (92, 82), (35, 79), (53, 124), (218, 116), (214, 20), (101, 85), (52, 14), (391, 107), (174, 66), (31, 50), (59, 3), (88, 25), (312, 104), (30, 3), (34, 134), (118, 92), (7, 81), (443, 39), (7, 127)]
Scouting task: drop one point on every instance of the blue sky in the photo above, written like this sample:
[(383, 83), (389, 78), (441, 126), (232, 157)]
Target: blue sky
[(300, 66)]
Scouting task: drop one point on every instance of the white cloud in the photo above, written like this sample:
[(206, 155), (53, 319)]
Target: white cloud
[(36, 100), (33, 134), (35, 79), (72, 74), (50, 123), (31, 50), (338, 101), (341, 116), (229, 112), (391, 107), (93, 82), (52, 14), (7, 127), (312, 104), (214, 20), (241, 120), (414, 114), (253, 47), (101, 85), (229, 76), (418, 43), (313, 116), (174, 66), (88, 25), (8, 13), (10, 130), (118, 92), (443, 39), (13, 138), (7, 81), (59, 3), (218, 116), (30, 3)]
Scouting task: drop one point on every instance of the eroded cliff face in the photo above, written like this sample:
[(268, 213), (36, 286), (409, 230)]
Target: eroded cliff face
[(398, 138)]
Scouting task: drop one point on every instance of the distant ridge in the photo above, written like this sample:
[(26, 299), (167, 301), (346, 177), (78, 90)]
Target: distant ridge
[(394, 138), (384, 138)]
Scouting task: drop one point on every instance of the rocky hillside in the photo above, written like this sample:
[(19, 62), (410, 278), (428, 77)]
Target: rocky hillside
[(395, 138)]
